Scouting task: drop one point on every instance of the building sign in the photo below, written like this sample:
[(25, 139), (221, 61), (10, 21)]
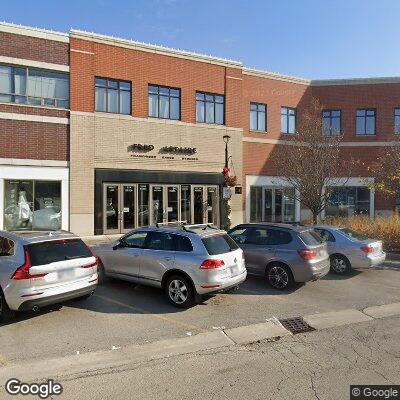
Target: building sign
[(166, 152)]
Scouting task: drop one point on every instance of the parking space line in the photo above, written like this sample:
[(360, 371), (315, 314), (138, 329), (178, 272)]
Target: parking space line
[(157, 316)]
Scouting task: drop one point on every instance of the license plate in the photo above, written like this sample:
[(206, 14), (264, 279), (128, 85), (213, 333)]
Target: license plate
[(66, 274), (234, 270)]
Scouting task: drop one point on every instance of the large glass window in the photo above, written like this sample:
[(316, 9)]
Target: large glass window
[(397, 120), (331, 121), (164, 102), (258, 117), (32, 205), (37, 87), (113, 96), (288, 120), (210, 108), (365, 122), (348, 201)]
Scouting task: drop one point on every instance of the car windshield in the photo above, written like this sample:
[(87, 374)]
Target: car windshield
[(352, 235), (310, 238), (219, 244), (54, 251)]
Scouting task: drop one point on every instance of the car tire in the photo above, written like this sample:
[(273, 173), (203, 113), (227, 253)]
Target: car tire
[(279, 276), (179, 291), (340, 265), (5, 313)]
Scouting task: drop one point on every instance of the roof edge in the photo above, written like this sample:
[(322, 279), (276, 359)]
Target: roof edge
[(273, 75), (355, 81), (116, 41)]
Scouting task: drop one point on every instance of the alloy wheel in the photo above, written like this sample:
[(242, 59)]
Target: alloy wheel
[(278, 277), (339, 265), (178, 291)]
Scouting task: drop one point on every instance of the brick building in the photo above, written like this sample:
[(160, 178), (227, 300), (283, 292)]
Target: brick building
[(139, 136)]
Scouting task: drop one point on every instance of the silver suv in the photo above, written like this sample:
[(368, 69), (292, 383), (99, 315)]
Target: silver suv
[(283, 253), (183, 260), (42, 268)]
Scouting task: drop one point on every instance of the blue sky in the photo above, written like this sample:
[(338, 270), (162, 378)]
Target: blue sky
[(306, 38)]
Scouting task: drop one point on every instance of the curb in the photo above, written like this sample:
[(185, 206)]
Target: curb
[(100, 361)]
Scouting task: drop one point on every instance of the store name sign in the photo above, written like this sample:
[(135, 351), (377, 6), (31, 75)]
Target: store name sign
[(138, 150)]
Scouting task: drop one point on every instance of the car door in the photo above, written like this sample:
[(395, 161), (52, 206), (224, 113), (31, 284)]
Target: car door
[(127, 257), (158, 255), (254, 242)]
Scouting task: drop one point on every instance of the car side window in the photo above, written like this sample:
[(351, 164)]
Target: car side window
[(160, 241), (326, 236), (238, 235), (257, 236), (7, 247), (135, 240), (183, 243), (277, 237)]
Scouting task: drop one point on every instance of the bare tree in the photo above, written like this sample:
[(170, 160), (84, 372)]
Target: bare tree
[(312, 162)]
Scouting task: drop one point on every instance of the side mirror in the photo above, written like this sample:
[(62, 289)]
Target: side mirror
[(119, 244)]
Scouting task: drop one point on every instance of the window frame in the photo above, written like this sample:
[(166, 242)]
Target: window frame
[(365, 121), (27, 97), (169, 101), (257, 112), (213, 102), (119, 92), (396, 113), (287, 120), (330, 122)]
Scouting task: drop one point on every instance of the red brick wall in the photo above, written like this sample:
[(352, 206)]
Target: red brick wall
[(33, 140), (31, 48), (143, 68)]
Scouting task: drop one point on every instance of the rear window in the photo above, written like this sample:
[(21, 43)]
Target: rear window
[(54, 251), (219, 244), (352, 235), (310, 238)]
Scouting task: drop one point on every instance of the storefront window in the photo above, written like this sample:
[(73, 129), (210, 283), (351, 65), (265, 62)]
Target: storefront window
[(31, 205), (255, 204), (143, 205), (348, 201)]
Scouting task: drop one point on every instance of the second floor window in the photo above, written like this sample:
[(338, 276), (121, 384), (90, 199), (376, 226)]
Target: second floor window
[(113, 96), (288, 120), (331, 122), (210, 108), (397, 120), (164, 102), (258, 117), (35, 87), (365, 121)]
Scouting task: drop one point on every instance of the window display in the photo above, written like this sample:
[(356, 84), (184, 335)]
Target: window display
[(31, 205)]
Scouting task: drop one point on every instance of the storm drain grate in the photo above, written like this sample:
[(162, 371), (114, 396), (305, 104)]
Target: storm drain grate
[(296, 325)]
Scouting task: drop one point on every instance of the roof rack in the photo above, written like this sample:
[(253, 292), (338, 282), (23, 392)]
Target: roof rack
[(185, 226), (179, 223), (202, 226)]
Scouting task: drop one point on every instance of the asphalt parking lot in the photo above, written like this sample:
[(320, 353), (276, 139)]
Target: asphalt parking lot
[(121, 313)]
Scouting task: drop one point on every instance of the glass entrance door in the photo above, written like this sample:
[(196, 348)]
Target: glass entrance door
[(111, 209), (279, 205), (128, 207), (206, 205), (165, 203)]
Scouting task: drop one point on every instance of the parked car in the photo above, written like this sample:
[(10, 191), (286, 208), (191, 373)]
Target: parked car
[(43, 268), (348, 249), (186, 261), (283, 253)]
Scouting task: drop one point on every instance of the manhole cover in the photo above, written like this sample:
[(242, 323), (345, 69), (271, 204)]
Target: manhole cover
[(296, 325)]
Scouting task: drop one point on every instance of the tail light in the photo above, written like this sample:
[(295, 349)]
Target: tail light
[(243, 256), (93, 265), (367, 249), (212, 264), (23, 272), (306, 254)]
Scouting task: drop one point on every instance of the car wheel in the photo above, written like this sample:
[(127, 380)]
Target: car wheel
[(339, 264), (179, 291), (5, 313), (279, 276)]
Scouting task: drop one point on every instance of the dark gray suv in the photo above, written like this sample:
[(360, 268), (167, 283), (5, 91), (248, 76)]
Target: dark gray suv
[(283, 253)]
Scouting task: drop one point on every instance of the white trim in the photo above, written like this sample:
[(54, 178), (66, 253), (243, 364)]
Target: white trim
[(134, 45), (38, 173), (34, 118), (82, 51), (273, 181), (233, 77), (33, 32), (31, 63), (272, 75), (41, 163), (355, 81)]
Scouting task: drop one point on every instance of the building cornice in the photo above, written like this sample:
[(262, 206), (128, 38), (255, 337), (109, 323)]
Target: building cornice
[(139, 46), (355, 81), (34, 118), (34, 32), (272, 75), (35, 64)]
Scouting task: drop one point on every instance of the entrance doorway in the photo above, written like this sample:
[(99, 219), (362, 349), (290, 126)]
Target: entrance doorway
[(127, 206)]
